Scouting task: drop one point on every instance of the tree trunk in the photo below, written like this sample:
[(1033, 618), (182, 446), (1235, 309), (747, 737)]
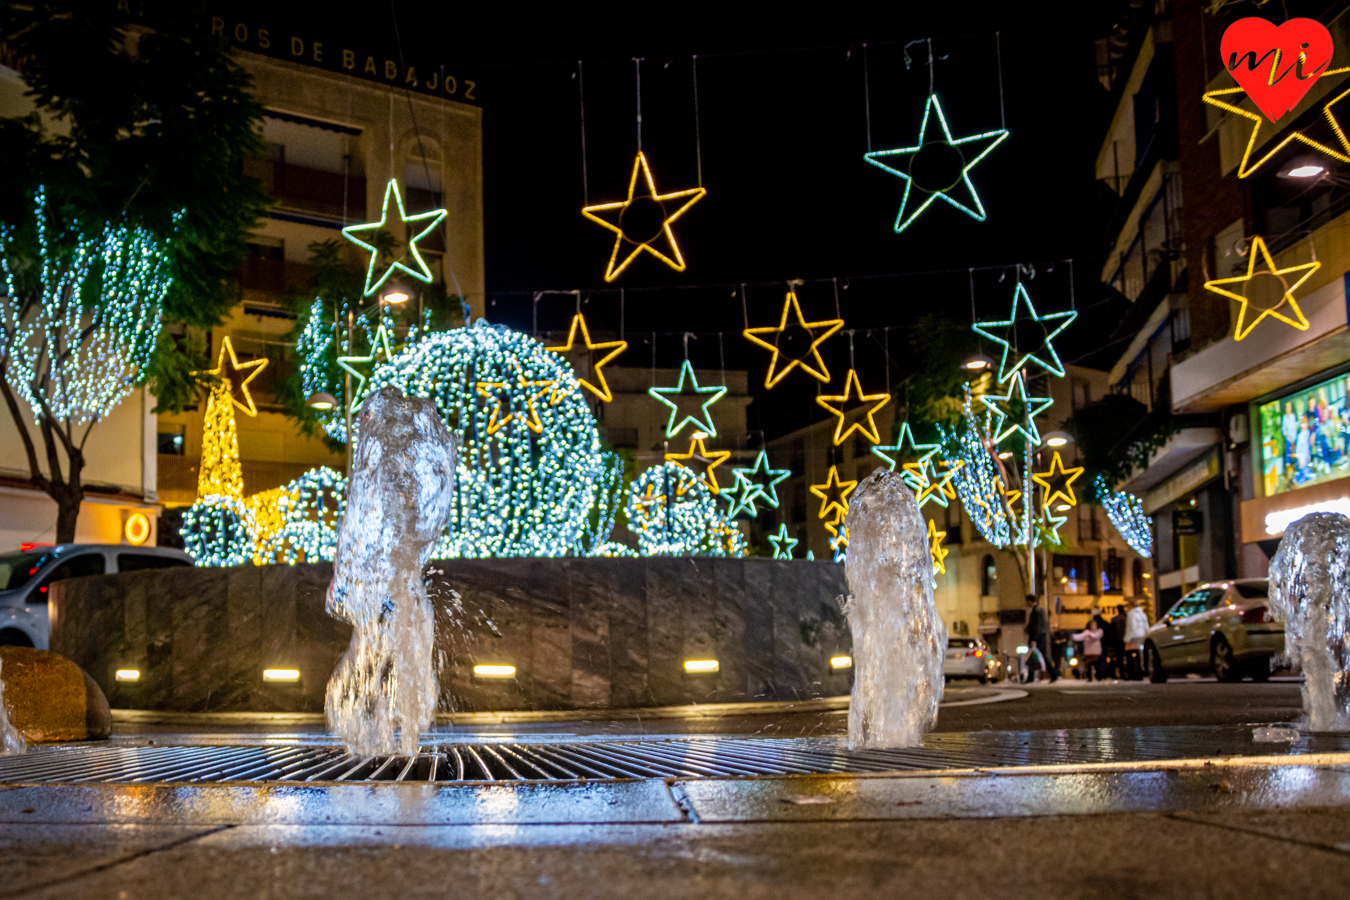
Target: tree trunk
[(69, 493)]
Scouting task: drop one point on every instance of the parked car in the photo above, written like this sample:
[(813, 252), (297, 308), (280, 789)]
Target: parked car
[(968, 657), (1224, 627), (25, 578)]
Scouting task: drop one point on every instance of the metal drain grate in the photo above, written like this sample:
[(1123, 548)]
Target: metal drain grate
[(615, 759)]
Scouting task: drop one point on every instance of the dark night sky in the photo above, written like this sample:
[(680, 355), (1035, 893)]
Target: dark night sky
[(783, 132)]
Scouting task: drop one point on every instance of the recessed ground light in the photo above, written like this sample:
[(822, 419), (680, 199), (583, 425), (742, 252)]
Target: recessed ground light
[(700, 666), (841, 662), (494, 671), (128, 675), (281, 674)]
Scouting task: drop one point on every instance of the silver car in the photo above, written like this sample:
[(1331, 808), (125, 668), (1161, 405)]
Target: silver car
[(968, 657), (26, 576), (1224, 627)]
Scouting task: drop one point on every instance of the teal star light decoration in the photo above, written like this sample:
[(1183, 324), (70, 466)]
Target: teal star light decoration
[(906, 445), (1004, 332), (970, 150), (420, 272), (782, 544), (1018, 409), (685, 399), (756, 483)]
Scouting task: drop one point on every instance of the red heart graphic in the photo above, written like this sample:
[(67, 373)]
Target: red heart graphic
[(1276, 64)]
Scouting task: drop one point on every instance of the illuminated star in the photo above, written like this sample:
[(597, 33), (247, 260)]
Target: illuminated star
[(1014, 500), (1259, 246), (531, 414), (756, 483), (1058, 482), (614, 347), (1342, 155), (647, 503), (970, 150), (644, 241), (816, 332), (701, 421), (782, 544), (420, 272), (255, 365), (833, 493), (937, 484), (839, 544), (870, 430), (702, 462), (1042, 352), (1018, 409), (1047, 531), (905, 445), (935, 547), (379, 346)]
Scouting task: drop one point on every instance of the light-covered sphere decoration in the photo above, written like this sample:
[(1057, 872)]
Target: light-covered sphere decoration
[(215, 532), (673, 513), (530, 467)]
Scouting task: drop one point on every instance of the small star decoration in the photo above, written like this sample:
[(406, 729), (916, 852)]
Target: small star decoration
[(614, 348), (833, 493), (684, 398), (809, 360), (853, 389), (253, 366)]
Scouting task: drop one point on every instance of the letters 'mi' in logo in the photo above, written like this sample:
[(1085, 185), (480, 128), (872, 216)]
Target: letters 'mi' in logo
[(1262, 56)]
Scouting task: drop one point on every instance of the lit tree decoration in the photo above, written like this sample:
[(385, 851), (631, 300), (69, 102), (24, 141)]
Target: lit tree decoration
[(77, 343), (219, 474), (520, 491), (674, 514), (980, 477), (319, 346), (1126, 512)]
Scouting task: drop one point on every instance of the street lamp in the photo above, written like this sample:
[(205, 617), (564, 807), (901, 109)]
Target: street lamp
[(977, 363), (1303, 167), (321, 400), (1058, 439), (395, 295)]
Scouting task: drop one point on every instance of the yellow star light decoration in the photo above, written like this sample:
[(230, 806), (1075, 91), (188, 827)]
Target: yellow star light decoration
[(817, 332), (1299, 321), (253, 366), (833, 493), (421, 272), (380, 351), (702, 462), (935, 547), (1058, 482), (648, 502), (614, 348), (853, 389), (937, 485), (1342, 155), (497, 421), (644, 242)]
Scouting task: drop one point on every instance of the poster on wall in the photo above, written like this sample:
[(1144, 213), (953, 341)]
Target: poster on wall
[(1305, 437)]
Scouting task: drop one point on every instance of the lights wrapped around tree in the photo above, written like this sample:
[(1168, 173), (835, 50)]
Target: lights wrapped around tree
[(673, 513), (1126, 512), (68, 356), (979, 480), (520, 491)]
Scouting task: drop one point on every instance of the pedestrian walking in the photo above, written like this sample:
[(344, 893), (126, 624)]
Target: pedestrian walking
[(1136, 626), (1092, 647), (1117, 635), (1038, 634)]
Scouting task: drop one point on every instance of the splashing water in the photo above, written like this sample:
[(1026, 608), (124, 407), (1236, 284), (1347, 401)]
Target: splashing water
[(383, 692), (1310, 592), (11, 740), (898, 636)]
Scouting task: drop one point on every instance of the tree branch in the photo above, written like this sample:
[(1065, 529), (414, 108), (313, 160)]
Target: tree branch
[(22, 427)]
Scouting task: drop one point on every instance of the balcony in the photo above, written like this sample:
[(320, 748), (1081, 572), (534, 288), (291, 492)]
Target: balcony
[(312, 191)]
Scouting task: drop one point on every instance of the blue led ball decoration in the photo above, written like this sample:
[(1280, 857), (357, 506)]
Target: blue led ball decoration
[(215, 532), (531, 471)]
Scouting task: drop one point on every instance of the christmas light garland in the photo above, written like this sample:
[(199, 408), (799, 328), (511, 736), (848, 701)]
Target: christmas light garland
[(1126, 512), (674, 514)]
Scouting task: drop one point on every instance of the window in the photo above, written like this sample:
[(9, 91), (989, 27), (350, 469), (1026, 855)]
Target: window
[(75, 567), (962, 643), (17, 568), (1072, 574), (1082, 393), (170, 443), (1113, 574), (989, 577), (1196, 602), (1251, 590), (136, 562)]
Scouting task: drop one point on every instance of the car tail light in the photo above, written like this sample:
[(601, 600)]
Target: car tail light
[(977, 654), (1255, 615)]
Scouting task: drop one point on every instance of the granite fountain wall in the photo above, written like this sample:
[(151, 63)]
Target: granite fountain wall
[(582, 633)]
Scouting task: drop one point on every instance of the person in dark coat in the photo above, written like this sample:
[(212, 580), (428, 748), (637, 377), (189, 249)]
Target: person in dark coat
[(1038, 633)]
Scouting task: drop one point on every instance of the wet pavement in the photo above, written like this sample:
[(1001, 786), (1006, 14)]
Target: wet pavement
[(1144, 808)]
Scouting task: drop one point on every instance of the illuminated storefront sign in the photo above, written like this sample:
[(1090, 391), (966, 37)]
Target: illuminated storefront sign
[(1305, 437)]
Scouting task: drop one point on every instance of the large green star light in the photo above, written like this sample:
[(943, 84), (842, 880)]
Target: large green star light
[(684, 399), (421, 273), (1043, 353), (901, 160)]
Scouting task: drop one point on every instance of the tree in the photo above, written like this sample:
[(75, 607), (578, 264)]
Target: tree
[(124, 204)]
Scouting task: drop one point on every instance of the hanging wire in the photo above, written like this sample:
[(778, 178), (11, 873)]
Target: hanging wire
[(620, 313), (745, 309), (698, 141), (930, 66), (721, 357), (637, 68), (886, 350), (972, 294), (581, 94), (998, 55), (867, 101), (1072, 304), (837, 313), (850, 351)]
